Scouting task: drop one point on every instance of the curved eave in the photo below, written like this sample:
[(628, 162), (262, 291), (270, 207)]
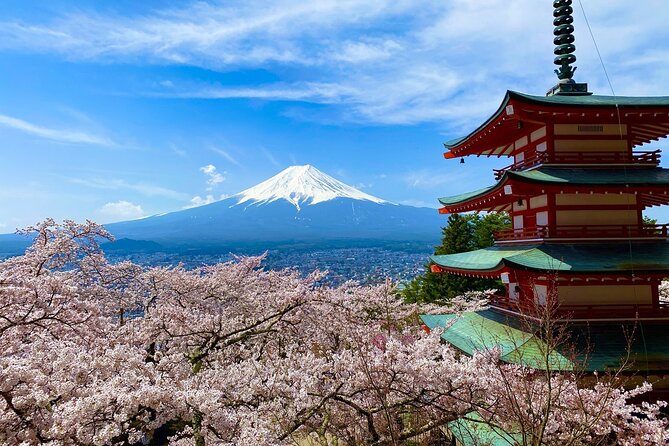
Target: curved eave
[(481, 274), (486, 260), (652, 185), (505, 120), (582, 176), (491, 199), (455, 146), (455, 143), (610, 259), (454, 203)]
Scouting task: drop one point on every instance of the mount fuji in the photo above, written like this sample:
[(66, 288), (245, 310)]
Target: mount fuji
[(299, 206)]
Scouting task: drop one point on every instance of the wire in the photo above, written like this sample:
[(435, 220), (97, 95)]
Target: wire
[(620, 130), (601, 60)]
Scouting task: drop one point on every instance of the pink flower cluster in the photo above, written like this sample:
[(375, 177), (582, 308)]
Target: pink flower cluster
[(232, 354)]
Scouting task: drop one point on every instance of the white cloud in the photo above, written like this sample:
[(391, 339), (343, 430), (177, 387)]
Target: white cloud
[(146, 189), (370, 61), (60, 135), (357, 52), (121, 210), (214, 177), (417, 95), (197, 201), (214, 35)]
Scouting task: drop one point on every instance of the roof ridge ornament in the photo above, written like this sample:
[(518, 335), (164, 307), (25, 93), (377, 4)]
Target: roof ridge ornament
[(564, 51), (564, 39)]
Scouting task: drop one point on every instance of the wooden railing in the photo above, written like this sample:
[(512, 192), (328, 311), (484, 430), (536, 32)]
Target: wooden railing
[(532, 232), (639, 157), (584, 231), (617, 311), (613, 231)]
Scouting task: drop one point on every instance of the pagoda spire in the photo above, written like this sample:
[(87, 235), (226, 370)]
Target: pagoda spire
[(564, 51), (564, 39)]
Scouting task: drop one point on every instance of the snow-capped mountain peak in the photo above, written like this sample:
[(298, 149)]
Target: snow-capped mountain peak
[(302, 185)]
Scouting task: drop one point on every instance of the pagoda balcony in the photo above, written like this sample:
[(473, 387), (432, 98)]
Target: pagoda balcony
[(581, 312), (659, 231), (637, 158)]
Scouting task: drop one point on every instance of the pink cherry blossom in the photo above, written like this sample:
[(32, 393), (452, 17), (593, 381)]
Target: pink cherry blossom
[(93, 353)]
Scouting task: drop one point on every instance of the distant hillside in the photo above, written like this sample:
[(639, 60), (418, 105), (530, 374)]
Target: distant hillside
[(300, 208)]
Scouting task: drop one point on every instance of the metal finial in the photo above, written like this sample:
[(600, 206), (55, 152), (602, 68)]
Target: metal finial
[(564, 39)]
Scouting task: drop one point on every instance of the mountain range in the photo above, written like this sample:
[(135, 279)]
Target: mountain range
[(299, 206)]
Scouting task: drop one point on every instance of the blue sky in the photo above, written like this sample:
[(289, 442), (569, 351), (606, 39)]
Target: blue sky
[(115, 110)]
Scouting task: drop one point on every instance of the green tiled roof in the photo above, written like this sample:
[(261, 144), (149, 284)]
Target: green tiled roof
[(470, 332), (594, 100), (655, 176), (581, 176), (610, 257), (488, 259), (598, 347), (472, 430), (455, 199), (570, 101)]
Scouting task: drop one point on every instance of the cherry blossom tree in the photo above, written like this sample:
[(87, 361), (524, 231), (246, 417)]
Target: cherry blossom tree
[(556, 402), (95, 353)]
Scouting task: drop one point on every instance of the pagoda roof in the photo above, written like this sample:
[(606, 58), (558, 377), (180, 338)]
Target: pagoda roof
[(599, 347), (560, 176), (472, 331), (584, 176), (473, 430), (594, 100), (515, 107), (553, 257)]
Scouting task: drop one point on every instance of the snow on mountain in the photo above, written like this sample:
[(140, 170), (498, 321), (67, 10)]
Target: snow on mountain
[(301, 185), (300, 206)]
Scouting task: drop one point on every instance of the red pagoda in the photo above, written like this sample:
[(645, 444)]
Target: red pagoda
[(575, 191)]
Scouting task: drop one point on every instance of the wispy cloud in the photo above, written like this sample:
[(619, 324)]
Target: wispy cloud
[(60, 135), (371, 61), (418, 95), (213, 34), (270, 157), (178, 151), (146, 189), (214, 177), (225, 155), (121, 210), (356, 52)]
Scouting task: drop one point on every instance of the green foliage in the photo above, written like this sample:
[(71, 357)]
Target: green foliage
[(463, 233), (458, 236), (649, 221), (485, 227)]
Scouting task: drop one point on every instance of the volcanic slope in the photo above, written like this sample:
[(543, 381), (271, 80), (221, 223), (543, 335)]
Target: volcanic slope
[(299, 204)]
